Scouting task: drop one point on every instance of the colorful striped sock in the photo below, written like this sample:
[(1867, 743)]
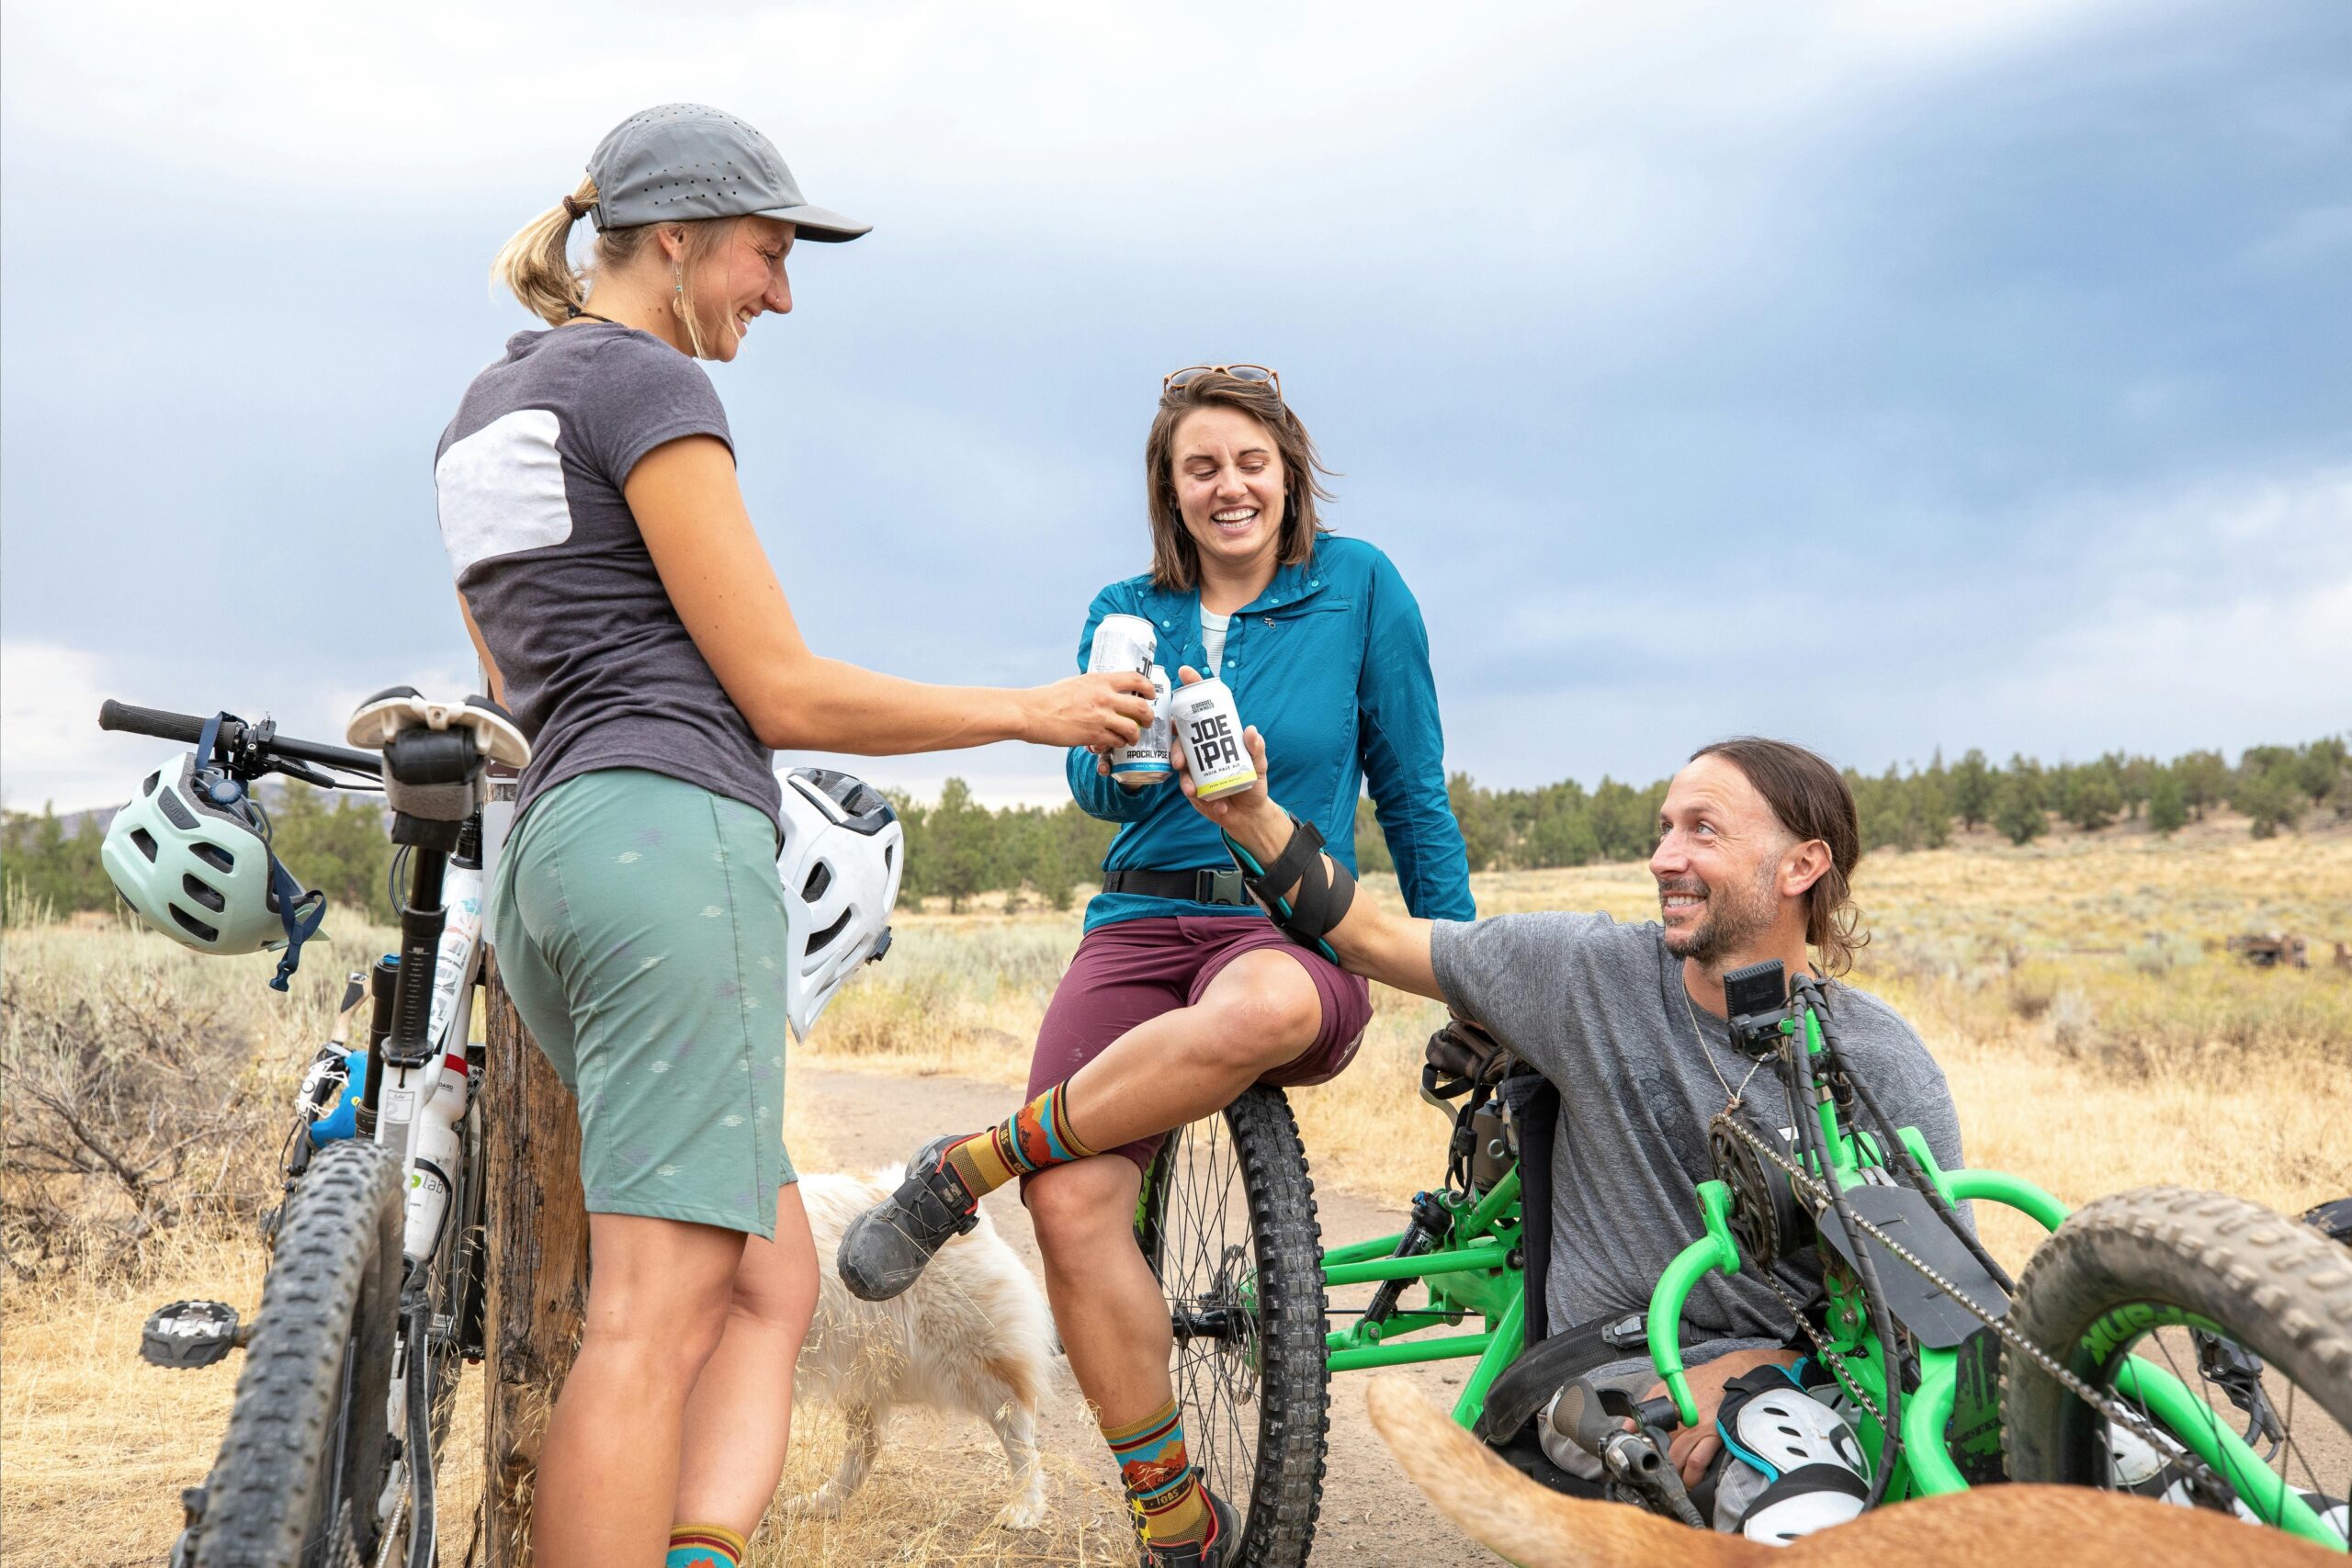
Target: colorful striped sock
[(703, 1546), (1038, 1135), (1164, 1488)]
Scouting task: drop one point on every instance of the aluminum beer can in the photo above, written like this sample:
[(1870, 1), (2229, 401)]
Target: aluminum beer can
[(1209, 726), (1122, 642), (1148, 757)]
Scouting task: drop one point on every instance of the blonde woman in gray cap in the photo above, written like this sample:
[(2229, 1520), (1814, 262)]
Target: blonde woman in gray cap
[(629, 618)]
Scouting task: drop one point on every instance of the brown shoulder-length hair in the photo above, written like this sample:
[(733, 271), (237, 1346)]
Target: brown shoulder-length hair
[(1175, 559), (1812, 800)]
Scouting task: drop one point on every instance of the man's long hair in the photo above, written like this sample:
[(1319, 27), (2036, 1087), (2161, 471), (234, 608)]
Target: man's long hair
[(1812, 801)]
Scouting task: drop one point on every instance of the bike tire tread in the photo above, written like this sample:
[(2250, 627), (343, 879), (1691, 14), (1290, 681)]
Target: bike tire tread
[(2281, 1287), (1294, 1431), (338, 1249)]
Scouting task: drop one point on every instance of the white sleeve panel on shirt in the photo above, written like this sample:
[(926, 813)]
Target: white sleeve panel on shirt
[(501, 490)]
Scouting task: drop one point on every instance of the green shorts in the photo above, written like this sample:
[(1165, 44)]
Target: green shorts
[(639, 925)]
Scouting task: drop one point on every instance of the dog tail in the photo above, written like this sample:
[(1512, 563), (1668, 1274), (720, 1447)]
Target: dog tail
[(1502, 1509)]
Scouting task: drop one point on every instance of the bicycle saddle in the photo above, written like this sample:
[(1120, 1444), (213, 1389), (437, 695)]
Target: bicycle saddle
[(396, 709)]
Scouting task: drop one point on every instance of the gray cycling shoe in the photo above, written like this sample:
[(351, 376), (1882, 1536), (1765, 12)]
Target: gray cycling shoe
[(1220, 1549), (885, 1249)]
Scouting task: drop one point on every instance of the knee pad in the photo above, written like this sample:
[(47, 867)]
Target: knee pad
[(1801, 1464)]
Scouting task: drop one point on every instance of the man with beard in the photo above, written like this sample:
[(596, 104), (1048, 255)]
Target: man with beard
[(1757, 841)]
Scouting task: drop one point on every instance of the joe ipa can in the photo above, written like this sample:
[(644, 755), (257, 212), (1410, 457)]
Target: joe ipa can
[(1121, 643), (1209, 726), (1146, 760)]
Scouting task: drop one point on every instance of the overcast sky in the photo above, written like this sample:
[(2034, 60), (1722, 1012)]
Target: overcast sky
[(1884, 376)]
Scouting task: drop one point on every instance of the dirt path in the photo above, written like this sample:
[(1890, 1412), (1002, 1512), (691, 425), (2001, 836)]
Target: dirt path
[(1371, 1513)]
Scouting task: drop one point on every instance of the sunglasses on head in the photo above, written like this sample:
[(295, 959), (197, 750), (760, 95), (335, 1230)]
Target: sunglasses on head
[(1192, 373)]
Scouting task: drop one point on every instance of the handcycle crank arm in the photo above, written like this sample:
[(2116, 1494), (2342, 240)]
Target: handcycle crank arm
[(1712, 1251)]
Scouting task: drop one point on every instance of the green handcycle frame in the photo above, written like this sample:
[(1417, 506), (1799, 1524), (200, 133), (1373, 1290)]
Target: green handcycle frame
[(1476, 1274)]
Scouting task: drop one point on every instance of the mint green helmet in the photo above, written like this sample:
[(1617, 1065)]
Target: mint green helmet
[(190, 854)]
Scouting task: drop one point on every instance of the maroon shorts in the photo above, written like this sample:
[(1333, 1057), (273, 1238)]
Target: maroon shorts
[(1134, 970)]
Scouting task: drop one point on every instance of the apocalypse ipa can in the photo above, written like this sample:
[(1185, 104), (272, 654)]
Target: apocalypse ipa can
[(1121, 643), (1146, 760), (1209, 725)]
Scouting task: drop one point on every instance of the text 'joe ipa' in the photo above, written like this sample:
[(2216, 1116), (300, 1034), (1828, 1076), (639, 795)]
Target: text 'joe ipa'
[(1209, 726)]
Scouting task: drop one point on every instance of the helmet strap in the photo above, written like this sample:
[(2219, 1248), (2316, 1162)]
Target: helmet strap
[(205, 743), (300, 929)]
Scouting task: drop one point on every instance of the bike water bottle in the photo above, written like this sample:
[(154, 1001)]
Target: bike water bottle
[(435, 1147)]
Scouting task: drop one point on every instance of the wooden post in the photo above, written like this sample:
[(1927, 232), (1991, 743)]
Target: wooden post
[(537, 1254)]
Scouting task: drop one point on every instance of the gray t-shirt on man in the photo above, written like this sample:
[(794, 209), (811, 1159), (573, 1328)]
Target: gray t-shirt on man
[(599, 670), (1598, 1008)]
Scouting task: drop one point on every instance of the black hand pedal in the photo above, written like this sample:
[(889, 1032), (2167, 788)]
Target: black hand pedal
[(191, 1334)]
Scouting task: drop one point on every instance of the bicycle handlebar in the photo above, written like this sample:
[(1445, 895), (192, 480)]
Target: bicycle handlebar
[(190, 729)]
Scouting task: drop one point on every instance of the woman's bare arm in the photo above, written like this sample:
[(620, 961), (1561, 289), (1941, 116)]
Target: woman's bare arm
[(691, 514)]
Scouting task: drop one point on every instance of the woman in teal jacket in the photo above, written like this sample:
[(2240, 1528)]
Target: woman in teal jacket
[(1182, 993)]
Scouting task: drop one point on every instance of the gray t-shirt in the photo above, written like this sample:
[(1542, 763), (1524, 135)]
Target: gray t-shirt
[(600, 673), (1598, 1007)]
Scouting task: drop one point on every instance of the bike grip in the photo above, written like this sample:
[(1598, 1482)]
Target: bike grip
[(157, 722)]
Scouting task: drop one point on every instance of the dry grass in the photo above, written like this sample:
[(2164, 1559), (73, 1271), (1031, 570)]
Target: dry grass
[(2095, 1036)]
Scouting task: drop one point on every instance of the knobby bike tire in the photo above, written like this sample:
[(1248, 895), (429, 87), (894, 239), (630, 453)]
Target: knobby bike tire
[(2279, 1288), (315, 1379), (1292, 1381)]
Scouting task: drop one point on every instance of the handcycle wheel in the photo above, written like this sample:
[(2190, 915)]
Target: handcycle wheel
[(2194, 1283), (304, 1459), (1227, 1224)]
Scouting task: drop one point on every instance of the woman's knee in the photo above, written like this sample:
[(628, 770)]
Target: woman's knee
[(659, 1293), (775, 1284), (1077, 1207), (1261, 1012)]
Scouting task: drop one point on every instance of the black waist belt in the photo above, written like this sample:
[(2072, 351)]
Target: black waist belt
[(1218, 884)]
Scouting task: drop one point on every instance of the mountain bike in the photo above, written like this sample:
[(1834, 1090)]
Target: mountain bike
[(2186, 1346), (374, 1295)]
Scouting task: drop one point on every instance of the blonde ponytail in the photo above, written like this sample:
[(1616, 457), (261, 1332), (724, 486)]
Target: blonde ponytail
[(537, 263)]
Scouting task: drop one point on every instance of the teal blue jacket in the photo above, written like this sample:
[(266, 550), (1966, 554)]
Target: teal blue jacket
[(1332, 664)]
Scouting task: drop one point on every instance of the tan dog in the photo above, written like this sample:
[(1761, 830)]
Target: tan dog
[(2058, 1525), (973, 1334)]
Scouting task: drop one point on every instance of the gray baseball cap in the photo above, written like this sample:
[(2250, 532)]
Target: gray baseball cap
[(677, 162)]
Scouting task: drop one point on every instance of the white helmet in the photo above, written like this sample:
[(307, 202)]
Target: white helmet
[(844, 851), (190, 852)]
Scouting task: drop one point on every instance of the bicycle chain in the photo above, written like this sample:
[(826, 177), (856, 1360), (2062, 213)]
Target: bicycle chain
[(1835, 1361), (2106, 1405)]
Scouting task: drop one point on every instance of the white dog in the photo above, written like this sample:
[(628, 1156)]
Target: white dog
[(972, 1334)]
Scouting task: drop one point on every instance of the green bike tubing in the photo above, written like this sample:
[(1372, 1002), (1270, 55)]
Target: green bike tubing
[(1924, 1412), (1404, 1352), (1509, 1338), (1712, 1251), (1357, 1251), (2015, 1191), (1504, 1193), (2193, 1422), (1421, 1266)]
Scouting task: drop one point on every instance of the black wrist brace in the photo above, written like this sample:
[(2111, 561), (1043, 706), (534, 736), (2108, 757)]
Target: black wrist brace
[(1318, 903)]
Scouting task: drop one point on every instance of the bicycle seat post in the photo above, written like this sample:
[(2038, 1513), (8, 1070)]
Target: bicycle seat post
[(431, 778)]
